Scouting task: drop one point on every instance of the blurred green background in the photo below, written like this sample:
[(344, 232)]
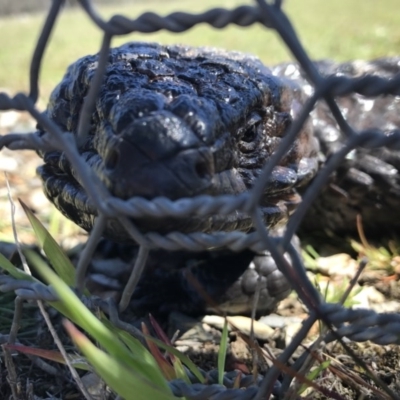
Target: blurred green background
[(338, 29)]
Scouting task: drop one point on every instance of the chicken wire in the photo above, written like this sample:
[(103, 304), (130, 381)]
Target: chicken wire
[(357, 325)]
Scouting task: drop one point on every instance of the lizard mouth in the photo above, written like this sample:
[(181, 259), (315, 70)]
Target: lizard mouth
[(279, 201)]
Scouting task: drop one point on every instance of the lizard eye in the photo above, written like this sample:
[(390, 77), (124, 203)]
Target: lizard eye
[(250, 131), (250, 134)]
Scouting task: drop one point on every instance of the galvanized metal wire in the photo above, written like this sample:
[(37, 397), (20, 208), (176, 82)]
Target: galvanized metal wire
[(357, 325)]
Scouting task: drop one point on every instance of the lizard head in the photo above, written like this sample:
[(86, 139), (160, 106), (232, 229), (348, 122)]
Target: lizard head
[(178, 122)]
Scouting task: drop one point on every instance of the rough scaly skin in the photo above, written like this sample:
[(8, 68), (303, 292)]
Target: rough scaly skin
[(178, 122), (368, 180)]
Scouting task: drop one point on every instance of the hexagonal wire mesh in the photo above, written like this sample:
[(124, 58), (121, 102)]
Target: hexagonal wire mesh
[(357, 325)]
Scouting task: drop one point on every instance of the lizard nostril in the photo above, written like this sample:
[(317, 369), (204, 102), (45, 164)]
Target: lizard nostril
[(111, 159), (203, 169)]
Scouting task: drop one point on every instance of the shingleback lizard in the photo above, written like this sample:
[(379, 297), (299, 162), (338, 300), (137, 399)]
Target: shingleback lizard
[(179, 121)]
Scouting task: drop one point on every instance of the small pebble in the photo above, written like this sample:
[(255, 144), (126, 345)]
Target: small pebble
[(243, 324)]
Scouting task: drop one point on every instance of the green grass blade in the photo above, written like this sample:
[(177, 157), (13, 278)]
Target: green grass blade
[(14, 271), (222, 353), (180, 370), (78, 312), (314, 374), (131, 385), (184, 359), (60, 262), (38, 263), (131, 342)]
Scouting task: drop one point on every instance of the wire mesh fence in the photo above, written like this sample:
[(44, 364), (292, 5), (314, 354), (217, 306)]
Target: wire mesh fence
[(357, 325)]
